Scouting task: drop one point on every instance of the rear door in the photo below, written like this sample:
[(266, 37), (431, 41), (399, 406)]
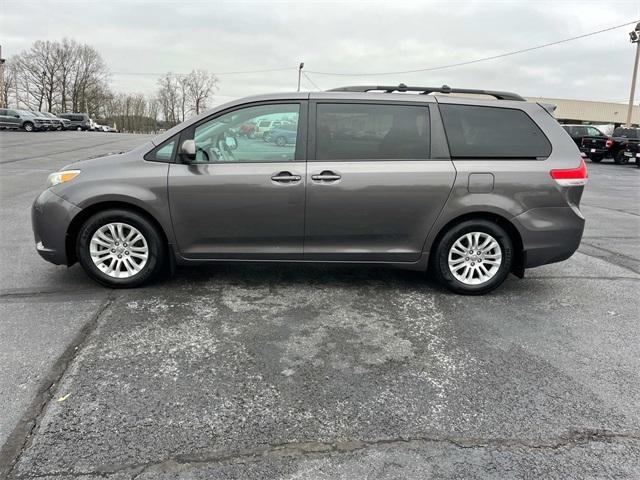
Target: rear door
[(377, 178)]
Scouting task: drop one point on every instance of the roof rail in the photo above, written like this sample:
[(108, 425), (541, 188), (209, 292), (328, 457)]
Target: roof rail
[(427, 90)]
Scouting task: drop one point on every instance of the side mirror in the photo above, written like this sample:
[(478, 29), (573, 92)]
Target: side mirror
[(188, 149)]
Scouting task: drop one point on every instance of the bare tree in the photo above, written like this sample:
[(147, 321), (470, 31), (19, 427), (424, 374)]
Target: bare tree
[(169, 97), (200, 86)]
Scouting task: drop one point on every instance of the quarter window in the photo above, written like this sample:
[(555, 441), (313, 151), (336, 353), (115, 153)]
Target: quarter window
[(163, 152), (492, 132), (233, 137), (372, 132)]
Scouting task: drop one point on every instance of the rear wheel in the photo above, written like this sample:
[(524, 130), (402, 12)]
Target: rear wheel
[(120, 249), (473, 257), (621, 159), (281, 141)]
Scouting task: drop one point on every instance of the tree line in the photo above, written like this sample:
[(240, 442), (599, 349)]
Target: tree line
[(67, 76)]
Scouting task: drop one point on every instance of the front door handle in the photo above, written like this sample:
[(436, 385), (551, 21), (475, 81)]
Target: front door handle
[(286, 177), (326, 176)]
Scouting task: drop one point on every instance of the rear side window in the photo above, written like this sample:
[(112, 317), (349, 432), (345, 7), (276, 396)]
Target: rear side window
[(372, 132), (491, 132)]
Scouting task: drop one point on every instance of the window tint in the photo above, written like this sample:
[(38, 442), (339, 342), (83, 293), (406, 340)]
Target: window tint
[(626, 132), (228, 137), (371, 132), (491, 132), (164, 152)]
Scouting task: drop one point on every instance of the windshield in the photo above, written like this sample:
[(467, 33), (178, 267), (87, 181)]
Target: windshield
[(626, 132)]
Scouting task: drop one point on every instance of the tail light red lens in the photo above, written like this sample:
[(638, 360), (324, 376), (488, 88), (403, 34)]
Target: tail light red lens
[(571, 177), (609, 143)]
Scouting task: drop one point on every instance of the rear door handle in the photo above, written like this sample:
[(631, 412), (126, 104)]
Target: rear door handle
[(326, 176), (286, 177)]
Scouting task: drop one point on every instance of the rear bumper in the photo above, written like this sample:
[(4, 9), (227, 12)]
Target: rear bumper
[(549, 234), (50, 219), (597, 152)]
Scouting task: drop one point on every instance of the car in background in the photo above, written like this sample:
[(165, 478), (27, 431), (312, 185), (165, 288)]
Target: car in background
[(30, 122), (578, 132), (263, 126), (58, 123), (77, 121), (9, 119), (632, 151), (598, 148), (282, 135)]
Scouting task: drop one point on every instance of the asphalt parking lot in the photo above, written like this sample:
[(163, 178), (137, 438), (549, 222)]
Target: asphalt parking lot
[(316, 372)]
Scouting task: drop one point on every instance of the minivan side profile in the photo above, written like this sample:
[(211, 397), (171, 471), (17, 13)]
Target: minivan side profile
[(469, 188), (77, 121)]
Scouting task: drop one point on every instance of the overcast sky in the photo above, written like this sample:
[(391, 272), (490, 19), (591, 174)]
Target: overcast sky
[(140, 40)]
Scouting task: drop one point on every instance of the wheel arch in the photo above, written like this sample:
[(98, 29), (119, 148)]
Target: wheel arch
[(518, 262), (89, 211)]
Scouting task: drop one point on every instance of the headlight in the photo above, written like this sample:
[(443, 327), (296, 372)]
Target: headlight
[(61, 177)]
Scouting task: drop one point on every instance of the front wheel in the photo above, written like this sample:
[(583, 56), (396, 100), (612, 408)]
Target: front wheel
[(473, 257), (28, 127), (120, 249)]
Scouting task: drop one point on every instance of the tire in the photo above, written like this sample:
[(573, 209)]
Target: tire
[(281, 141), (620, 158), (132, 223), (28, 127), (79, 129), (443, 254), (596, 159)]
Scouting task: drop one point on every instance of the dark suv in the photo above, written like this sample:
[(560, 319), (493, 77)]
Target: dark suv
[(77, 121), (471, 188)]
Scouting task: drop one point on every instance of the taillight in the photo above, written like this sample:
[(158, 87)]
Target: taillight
[(609, 142), (571, 177)]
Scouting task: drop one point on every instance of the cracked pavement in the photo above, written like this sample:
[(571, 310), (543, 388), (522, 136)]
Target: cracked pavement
[(317, 372)]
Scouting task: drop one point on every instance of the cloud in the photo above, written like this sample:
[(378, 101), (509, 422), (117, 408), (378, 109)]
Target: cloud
[(141, 39)]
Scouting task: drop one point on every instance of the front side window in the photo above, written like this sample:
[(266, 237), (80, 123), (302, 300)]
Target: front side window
[(372, 132), (492, 132), (227, 138), (593, 132)]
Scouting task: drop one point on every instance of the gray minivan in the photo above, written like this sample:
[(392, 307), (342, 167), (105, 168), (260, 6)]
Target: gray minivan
[(470, 188)]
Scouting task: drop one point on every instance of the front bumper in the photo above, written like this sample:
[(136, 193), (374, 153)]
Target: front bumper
[(549, 234), (50, 219)]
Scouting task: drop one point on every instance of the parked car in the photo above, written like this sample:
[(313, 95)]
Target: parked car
[(31, 122), (77, 121), (282, 135), (472, 189), (263, 126), (632, 151), (58, 123), (10, 119), (598, 148), (578, 132)]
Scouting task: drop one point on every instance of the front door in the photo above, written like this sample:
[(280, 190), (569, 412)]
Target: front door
[(242, 197), (374, 189)]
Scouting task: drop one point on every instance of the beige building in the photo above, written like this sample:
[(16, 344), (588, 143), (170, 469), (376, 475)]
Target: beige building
[(584, 111)]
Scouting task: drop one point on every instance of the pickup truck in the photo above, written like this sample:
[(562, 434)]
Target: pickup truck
[(632, 151), (598, 148)]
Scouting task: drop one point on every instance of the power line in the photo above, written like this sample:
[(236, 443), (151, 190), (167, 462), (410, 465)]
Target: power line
[(241, 72), (311, 81), (469, 62)]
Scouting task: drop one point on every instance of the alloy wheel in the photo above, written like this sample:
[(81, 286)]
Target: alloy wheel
[(119, 250), (475, 258)]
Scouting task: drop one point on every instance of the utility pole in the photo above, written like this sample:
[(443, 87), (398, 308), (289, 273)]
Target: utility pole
[(635, 38), (2, 105), (300, 73)]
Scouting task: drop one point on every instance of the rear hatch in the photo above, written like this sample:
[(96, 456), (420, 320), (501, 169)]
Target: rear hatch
[(599, 143)]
